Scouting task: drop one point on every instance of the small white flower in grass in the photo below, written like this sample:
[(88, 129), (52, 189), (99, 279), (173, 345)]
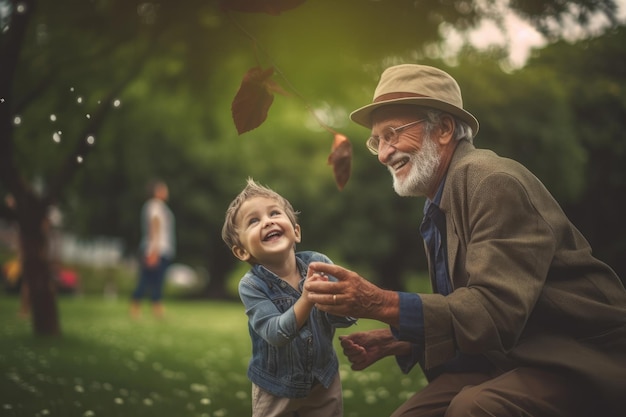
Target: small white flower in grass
[(370, 398), (405, 395), (405, 382), (348, 393), (382, 392), (375, 376), (79, 388), (53, 117), (45, 412), (199, 388), (205, 401), (148, 402), (89, 413), (118, 401)]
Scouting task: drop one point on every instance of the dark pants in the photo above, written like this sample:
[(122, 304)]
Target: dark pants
[(521, 392), (151, 280)]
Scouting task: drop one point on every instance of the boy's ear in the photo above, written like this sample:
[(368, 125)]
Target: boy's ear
[(298, 233), (240, 253)]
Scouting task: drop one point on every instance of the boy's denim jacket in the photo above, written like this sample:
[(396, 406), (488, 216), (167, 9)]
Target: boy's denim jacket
[(286, 361)]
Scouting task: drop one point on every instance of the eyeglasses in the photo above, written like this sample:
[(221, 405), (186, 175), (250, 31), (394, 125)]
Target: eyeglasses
[(389, 136)]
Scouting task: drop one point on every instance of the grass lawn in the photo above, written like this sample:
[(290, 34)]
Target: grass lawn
[(192, 363)]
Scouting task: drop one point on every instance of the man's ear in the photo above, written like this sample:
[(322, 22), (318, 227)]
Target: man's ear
[(298, 232), (241, 253), (446, 129)]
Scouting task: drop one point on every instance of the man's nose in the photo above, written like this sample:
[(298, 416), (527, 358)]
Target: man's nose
[(384, 152)]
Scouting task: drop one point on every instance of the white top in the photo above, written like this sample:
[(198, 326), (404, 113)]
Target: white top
[(165, 241)]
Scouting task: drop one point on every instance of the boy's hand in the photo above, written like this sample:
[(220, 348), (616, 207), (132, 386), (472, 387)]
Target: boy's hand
[(311, 277)]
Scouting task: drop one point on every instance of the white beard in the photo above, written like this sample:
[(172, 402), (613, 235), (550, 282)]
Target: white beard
[(423, 163)]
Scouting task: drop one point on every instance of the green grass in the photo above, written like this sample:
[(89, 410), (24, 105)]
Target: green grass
[(192, 363)]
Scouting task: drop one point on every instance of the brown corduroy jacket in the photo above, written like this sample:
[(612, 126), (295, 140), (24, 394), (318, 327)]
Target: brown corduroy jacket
[(526, 288)]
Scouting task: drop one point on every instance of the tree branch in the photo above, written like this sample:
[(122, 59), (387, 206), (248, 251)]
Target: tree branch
[(83, 147)]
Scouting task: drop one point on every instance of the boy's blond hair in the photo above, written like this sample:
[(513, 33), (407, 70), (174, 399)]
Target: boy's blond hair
[(230, 233)]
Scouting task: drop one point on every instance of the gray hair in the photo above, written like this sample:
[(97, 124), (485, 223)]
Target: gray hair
[(462, 131)]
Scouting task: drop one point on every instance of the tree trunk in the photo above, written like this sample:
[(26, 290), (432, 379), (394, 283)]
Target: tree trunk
[(37, 269)]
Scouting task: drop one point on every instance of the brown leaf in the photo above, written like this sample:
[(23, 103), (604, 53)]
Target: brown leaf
[(253, 99), (272, 7), (341, 159)]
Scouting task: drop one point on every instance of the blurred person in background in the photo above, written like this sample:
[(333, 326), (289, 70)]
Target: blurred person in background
[(157, 249), (12, 268)]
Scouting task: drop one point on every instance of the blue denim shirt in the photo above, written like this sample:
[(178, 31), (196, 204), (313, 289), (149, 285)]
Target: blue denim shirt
[(287, 361)]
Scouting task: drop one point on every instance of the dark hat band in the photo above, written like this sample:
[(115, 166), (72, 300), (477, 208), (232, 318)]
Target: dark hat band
[(393, 96)]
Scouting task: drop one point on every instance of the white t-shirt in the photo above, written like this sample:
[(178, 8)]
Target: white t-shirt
[(165, 242)]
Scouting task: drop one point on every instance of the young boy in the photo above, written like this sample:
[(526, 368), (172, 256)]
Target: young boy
[(294, 368)]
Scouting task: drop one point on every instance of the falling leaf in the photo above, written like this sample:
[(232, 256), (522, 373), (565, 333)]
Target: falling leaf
[(254, 99), (272, 7), (341, 159)]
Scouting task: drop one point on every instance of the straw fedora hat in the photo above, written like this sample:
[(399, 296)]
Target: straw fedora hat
[(419, 85)]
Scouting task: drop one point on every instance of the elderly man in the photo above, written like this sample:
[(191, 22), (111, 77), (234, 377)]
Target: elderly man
[(523, 320)]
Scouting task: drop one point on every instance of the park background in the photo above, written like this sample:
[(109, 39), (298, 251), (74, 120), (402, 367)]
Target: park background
[(99, 97)]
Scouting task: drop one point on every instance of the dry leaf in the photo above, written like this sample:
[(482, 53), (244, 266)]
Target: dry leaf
[(272, 7), (341, 160), (253, 99)]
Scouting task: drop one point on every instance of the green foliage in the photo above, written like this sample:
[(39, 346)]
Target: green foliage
[(527, 116), (593, 73), (192, 363), (174, 120)]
